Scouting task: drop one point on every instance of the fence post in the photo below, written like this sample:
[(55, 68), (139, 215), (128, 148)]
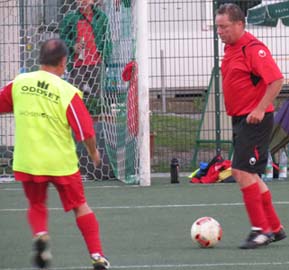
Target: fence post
[(217, 82), (164, 106)]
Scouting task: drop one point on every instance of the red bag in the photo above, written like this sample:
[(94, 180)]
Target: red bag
[(211, 174)]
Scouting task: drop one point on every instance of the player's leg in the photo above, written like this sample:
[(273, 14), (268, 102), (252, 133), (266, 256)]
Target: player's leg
[(250, 157), (271, 214), (89, 227), (37, 215), (266, 197), (260, 234), (73, 198)]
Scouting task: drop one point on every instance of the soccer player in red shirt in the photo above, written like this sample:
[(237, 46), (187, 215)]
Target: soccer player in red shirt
[(251, 81), (47, 109)]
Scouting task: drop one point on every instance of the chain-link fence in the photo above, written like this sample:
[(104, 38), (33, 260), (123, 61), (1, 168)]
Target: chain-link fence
[(187, 112), (188, 121)]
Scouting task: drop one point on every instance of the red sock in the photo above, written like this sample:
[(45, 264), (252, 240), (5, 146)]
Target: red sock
[(270, 212), (37, 214), (88, 225), (254, 206), (37, 217)]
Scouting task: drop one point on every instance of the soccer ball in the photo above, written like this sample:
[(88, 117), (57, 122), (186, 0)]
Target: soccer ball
[(206, 232)]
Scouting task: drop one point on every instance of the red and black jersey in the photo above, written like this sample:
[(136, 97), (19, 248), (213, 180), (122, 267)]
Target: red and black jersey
[(247, 69)]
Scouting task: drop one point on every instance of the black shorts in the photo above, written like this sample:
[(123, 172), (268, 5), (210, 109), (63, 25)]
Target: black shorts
[(251, 143)]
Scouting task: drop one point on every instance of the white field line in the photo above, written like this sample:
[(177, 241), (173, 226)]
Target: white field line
[(97, 187), (147, 206), (175, 266)]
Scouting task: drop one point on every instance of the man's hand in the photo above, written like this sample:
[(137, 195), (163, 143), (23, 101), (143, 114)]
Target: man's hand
[(255, 117), (272, 91), (95, 157), (93, 152), (78, 47)]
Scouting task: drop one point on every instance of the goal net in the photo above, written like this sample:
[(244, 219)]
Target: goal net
[(109, 81)]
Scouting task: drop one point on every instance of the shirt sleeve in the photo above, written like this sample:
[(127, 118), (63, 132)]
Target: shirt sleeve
[(263, 64), (6, 99), (79, 119)]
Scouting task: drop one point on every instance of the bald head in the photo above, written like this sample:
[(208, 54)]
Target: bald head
[(52, 52)]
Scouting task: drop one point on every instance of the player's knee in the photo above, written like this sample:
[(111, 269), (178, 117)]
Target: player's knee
[(82, 210)]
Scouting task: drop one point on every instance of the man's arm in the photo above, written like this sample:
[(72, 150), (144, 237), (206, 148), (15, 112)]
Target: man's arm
[(102, 35), (90, 144), (272, 91), (82, 125), (6, 99), (67, 32), (263, 65)]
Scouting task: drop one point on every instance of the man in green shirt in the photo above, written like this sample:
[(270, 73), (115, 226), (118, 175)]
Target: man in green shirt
[(86, 33)]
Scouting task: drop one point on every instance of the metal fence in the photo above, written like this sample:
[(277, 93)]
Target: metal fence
[(188, 121), (181, 63), (187, 113)]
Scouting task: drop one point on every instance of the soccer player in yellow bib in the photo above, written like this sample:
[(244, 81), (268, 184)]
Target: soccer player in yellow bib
[(47, 111)]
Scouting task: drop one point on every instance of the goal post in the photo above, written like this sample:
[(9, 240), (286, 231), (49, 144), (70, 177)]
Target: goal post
[(143, 86), (128, 147)]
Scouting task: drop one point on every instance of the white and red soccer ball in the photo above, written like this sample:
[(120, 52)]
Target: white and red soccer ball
[(206, 232)]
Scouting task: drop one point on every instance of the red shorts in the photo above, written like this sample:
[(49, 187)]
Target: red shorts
[(70, 188)]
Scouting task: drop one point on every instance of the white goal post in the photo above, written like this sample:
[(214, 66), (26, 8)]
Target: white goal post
[(143, 87)]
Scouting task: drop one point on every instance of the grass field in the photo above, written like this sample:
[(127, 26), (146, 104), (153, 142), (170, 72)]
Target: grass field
[(145, 227), (175, 132)]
